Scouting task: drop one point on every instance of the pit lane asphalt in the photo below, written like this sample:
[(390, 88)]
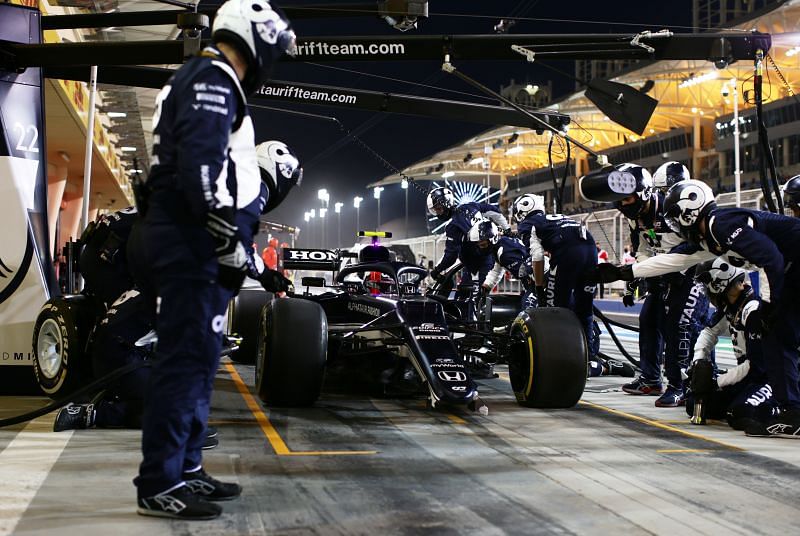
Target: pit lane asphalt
[(356, 465)]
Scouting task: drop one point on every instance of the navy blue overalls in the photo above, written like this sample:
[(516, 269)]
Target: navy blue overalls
[(203, 142), (572, 254), (772, 242), (458, 247)]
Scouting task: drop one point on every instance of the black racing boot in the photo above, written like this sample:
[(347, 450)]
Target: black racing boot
[(786, 424)]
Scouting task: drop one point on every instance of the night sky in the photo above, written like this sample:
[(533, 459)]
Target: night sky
[(345, 168)]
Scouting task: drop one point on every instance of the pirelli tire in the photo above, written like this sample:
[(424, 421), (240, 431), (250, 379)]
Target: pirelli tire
[(292, 350), (548, 358), (245, 313), (60, 361)]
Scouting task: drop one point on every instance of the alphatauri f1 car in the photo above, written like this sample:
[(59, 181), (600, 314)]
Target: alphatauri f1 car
[(376, 307)]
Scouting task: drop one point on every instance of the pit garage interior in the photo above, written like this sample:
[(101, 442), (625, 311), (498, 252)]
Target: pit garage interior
[(357, 463)]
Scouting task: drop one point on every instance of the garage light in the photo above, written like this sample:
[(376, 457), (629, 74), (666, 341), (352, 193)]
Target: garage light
[(694, 80), (515, 150), (476, 161), (115, 115), (447, 174), (127, 149)]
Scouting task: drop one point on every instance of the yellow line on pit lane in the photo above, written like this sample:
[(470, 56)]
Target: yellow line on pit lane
[(272, 435), (659, 425), (680, 451), (455, 419)]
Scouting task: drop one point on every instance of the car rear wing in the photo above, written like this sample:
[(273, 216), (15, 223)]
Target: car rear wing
[(314, 259)]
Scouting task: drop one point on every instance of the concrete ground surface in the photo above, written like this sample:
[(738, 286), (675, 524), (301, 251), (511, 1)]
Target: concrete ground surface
[(356, 465)]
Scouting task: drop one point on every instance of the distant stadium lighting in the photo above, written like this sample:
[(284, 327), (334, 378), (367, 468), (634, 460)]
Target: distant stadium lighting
[(376, 192), (699, 79), (404, 184), (337, 207), (357, 201)]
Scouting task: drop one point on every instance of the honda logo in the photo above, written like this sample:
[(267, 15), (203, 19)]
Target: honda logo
[(452, 376), (311, 255)]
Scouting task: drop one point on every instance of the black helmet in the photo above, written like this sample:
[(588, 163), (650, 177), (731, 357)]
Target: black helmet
[(668, 174), (280, 171), (643, 191), (441, 202), (260, 32), (791, 193), (685, 205), (484, 230)]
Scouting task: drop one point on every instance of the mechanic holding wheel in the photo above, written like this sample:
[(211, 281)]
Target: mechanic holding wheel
[(442, 204), (572, 252), (188, 245)]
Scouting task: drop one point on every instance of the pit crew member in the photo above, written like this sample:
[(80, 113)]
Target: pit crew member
[(188, 245)]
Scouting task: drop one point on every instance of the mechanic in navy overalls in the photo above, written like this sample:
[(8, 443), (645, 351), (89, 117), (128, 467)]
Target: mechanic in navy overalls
[(769, 241), (442, 204), (572, 251), (280, 171), (188, 245), (103, 261), (741, 395), (117, 339), (508, 254), (750, 239)]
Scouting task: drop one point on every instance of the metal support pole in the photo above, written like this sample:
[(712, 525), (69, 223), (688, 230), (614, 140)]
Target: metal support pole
[(87, 161), (406, 213), (737, 171), (338, 229), (358, 219), (379, 215)]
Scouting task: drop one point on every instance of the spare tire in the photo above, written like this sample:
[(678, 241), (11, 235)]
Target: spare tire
[(292, 348), (61, 363), (548, 358), (245, 313)]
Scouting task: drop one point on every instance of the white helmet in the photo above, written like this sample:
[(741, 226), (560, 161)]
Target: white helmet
[(441, 198), (280, 170), (686, 203), (259, 31), (718, 276), (668, 174), (484, 230), (526, 204)]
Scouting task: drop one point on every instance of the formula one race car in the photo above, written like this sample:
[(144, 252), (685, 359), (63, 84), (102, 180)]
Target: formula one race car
[(376, 308)]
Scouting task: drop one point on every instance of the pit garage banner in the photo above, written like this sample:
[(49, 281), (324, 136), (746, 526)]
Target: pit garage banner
[(25, 261)]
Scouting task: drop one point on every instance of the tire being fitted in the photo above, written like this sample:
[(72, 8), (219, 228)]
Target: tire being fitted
[(245, 315), (292, 349), (548, 358), (60, 361)]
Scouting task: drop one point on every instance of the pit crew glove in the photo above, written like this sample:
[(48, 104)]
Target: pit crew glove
[(541, 296), (628, 300), (230, 252), (436, 275), (510, 233), (274, 281), (768, 314), (608, 273), (701, 377)]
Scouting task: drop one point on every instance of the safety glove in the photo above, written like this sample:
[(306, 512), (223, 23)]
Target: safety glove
[(230, 252), (274, 281)]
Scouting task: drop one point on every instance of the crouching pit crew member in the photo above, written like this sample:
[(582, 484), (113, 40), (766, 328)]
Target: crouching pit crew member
[(741, 395), (187, 246), (442, 204)]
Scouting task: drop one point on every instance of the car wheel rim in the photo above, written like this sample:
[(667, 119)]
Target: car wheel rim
[(49, 348)]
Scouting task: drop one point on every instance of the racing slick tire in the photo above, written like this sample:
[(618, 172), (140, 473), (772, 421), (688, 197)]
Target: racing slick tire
[(61, 363), (292, 349), (245, 314), (548, 358)]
